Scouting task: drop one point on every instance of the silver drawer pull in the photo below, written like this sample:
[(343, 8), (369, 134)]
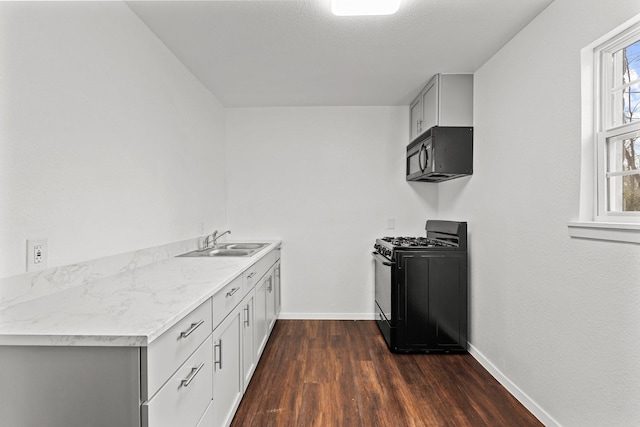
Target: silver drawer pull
[(232, 291), (251, 275), (192, 375), (193, 327)]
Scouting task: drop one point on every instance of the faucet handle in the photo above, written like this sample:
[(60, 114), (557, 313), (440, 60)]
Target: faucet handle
[(211, 238)]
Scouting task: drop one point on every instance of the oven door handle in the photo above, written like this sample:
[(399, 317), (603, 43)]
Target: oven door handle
[(382, 259)]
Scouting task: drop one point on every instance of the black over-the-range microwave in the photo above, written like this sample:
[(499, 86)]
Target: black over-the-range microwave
[(441, 153)]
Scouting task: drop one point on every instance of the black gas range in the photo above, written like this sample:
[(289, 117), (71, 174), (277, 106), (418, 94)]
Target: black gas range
[(442, 235), (421, 289)]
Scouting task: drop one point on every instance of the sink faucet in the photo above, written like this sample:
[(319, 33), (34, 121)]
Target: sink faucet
[(211, 240), (206, 243), (216, 237)]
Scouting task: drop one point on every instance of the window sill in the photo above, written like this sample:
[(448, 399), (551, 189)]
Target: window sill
[(611, 231)]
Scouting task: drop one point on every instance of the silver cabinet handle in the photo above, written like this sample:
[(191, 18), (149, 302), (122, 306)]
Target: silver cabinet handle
[(219, 361), (194, 371), (270, 287), (246, 319), (251, 275), (232, 291), (193, 327)]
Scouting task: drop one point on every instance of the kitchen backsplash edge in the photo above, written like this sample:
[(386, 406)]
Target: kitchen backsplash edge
[(27, 286)]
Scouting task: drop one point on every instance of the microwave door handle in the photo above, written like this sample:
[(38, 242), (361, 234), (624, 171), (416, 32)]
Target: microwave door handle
[(423, 149), (426, 158)]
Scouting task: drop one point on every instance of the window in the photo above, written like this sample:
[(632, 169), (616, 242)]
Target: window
[(618, 128), (610, 184)]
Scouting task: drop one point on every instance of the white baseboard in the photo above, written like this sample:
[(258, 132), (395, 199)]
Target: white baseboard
[(327, 316), (528, 403)]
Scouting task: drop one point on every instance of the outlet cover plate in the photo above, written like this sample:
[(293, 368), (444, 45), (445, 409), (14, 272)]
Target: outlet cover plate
[(37, 254)]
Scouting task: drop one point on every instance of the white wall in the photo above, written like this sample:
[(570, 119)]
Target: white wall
[(559, 317), (325, 180), (107, 143)]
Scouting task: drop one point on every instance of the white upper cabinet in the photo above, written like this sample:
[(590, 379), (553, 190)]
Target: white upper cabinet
[(446, 100)]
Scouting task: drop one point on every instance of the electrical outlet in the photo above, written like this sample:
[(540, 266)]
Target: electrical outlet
[(37, 254), (38, 251), (391, 223)]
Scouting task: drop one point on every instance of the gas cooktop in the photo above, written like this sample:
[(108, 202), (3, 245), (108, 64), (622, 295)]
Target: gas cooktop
[(441, 236), (415, 242)]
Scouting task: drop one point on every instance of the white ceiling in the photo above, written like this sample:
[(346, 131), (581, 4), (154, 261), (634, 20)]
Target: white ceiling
[(296, 53)]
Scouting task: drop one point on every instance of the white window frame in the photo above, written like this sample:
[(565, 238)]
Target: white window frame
[(595, 221), (601, 212)]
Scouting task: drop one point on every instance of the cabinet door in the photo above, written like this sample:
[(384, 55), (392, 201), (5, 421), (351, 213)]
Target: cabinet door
[(434, 305), (430, 104), (271, 300), (277, 287), (448, 301), (260, 317), (416, 117), (414, 309), (227, 371), (248, 338), (456, 100)]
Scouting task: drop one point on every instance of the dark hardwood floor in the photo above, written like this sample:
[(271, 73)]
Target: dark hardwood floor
[(340, 373)]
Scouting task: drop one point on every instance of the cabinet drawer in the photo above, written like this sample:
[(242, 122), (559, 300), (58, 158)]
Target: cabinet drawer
[(253, 274), (183, 400), (169, 351), (226, 299)]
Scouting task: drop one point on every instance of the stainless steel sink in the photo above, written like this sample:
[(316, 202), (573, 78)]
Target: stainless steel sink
[(227, 250), (246, 245)]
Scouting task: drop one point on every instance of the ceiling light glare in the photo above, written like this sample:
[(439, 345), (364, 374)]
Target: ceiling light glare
[(364, 7)]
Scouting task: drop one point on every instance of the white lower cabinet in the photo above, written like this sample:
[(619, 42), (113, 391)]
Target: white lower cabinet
[(193, 375), (184, 398), (249, 359), (227, 369), (271, 299), (276, 286), (260, 309), (267, 307), (168, 352)]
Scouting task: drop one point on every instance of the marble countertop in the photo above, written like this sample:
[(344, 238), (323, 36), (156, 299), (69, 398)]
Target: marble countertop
[(130, 308)]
